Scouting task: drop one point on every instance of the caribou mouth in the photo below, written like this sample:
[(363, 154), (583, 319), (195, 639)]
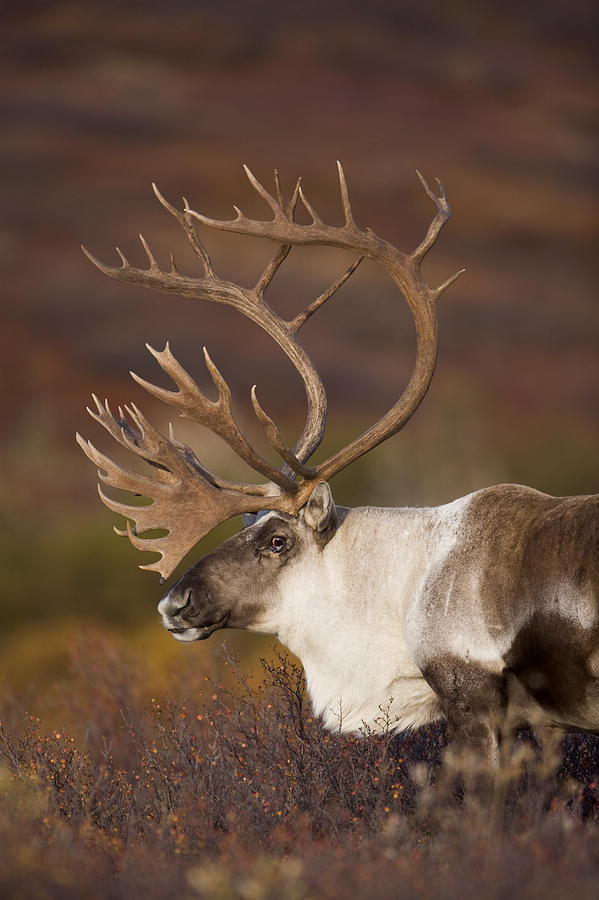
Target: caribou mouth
[(198, 633)]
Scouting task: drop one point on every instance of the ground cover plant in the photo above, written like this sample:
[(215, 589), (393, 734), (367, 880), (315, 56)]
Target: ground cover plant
[(233, 789)]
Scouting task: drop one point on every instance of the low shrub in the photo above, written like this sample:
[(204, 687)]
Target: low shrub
[(235, 790)]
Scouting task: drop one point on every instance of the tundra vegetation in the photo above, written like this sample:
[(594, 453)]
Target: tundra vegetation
[(231, 788)]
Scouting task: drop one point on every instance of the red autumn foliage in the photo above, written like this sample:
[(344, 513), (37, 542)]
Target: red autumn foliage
[(236, 791)]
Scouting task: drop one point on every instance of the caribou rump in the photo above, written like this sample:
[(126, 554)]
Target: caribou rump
[(478, 610)]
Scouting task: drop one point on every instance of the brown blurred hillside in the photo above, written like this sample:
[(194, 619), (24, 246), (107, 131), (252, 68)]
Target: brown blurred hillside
[(100, 98)]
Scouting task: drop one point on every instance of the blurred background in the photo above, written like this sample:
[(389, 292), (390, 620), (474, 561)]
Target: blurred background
[(99, 99)]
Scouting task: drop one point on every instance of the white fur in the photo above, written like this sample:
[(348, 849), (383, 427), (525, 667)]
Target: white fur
[(346, 620), (189, 635)]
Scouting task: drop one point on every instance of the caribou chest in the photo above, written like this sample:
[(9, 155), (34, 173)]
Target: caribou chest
[(342, 614)]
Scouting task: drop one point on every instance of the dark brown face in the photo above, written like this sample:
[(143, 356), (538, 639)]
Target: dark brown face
[(229, 587)]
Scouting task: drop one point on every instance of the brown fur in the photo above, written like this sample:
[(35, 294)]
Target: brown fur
[(536, 561), (473, 701)]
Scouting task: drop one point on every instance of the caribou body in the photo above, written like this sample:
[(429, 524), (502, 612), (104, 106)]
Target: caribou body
[(471, 611), (484, 607)]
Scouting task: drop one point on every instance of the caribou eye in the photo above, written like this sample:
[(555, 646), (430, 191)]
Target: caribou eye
[(277, 543)]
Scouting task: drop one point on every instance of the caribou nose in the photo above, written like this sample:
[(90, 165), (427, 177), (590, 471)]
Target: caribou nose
[(175, 601)]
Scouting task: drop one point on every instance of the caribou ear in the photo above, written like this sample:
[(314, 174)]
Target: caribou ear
[(251, 518), (248, 519), (319, 511)]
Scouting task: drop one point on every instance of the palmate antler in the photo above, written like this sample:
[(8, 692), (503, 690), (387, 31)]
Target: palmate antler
[(187, 500)]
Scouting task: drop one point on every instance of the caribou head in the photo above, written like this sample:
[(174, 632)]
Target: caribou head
[(462, 611), (238, 585)]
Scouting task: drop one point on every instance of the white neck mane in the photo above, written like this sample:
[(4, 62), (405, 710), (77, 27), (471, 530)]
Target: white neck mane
[(347, 624)]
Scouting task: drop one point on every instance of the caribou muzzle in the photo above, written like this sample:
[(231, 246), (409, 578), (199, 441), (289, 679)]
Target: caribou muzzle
[(188, 612)]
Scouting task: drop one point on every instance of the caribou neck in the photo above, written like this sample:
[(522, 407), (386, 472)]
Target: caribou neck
[(344, 617)]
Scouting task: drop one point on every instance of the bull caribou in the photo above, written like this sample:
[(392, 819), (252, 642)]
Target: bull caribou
[(467, 611)]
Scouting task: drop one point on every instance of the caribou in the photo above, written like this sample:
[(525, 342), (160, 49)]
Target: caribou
[(485, 606)]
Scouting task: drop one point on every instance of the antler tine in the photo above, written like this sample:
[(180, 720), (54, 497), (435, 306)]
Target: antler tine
[(266, 195), (272, 268), (302, 318), (280, 197), (288, 207), (117, 476), (277, 442), (436, 292), (107, 270), (290, 210), (443, 214), (316, 220), (153, 264), (119, 429), (190, 233), (215, 415), (349, 219)]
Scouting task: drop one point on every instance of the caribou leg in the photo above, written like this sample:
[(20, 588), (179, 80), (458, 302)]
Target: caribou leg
[(474, 702)]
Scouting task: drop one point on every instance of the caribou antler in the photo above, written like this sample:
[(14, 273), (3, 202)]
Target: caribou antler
[(187, 500), (404, 269)]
